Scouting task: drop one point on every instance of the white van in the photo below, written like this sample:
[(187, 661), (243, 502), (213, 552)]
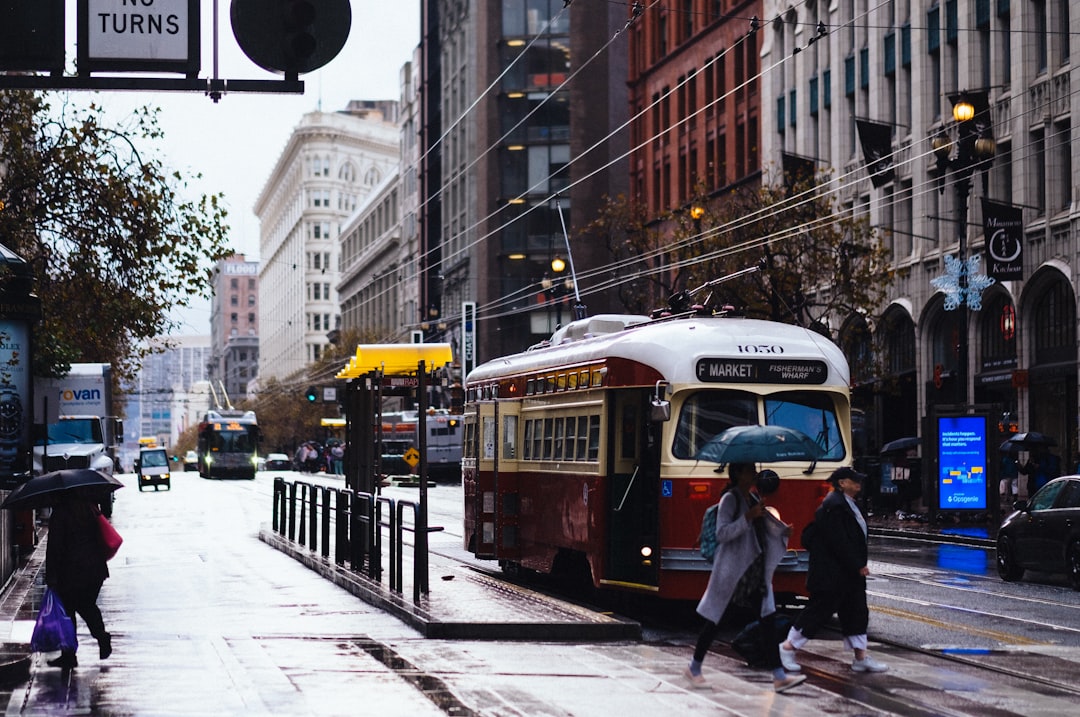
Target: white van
[(154, 468)]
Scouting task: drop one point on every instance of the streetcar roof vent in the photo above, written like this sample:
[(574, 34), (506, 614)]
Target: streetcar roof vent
[(598, 325)]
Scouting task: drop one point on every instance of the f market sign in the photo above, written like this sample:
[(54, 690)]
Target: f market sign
[(138, 36)]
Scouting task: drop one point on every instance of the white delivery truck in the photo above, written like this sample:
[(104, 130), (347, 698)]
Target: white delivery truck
[(82, 431)]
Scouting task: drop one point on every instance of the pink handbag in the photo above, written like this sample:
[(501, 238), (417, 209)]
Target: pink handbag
[(112, 539)]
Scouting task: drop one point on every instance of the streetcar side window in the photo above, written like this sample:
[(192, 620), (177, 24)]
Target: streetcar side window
[(538, 439), (509, 437), (571, 423), (528, 439), (560, 425), (812, 413), (706, 413), (582, 439), (549, 433), (594, 438)]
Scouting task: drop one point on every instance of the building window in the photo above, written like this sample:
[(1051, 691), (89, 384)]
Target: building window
[(849, 76), (780, 120), (933, 29), (813, 96), (234, 318), (890, 53), (1055, 325)]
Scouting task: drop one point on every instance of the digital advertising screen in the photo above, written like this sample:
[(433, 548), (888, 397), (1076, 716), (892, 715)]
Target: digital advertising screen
[(962, 462)]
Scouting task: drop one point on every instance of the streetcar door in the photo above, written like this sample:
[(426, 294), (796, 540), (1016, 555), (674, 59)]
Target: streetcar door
[(480, 503), (633, 464)]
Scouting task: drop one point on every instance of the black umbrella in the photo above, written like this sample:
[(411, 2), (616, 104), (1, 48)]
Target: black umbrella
[(49, 489), (760, 444), (901, 445), (1031, 440)]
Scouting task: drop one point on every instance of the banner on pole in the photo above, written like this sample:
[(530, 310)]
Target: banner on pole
[(1003, 227), (876, 140)]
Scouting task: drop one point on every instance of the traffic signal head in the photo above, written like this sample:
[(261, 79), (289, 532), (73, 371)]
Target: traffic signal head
[(291, 36), (311, 394)]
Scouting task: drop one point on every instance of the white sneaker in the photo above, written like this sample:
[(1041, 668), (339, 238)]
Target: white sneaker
[(869, 664), (787, 659)]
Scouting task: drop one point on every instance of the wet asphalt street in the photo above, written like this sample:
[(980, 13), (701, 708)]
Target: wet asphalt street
[(210, 620)]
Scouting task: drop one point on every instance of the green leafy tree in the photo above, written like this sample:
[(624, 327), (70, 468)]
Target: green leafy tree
[(114, 242), (818, 262)]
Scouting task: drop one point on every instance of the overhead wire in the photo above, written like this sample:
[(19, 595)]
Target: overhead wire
[(494, 306)]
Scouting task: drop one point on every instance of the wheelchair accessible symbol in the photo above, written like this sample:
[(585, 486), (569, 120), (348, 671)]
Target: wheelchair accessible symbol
[(666, 489)]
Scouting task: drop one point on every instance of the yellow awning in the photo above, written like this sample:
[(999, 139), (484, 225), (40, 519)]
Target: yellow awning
[(395, 359), (333, 422)]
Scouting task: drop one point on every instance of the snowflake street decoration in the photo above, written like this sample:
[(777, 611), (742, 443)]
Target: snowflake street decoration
[(949, 284)]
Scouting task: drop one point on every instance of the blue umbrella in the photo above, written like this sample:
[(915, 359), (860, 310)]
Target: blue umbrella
[(1030, 440), (901, 445), (760, 444)]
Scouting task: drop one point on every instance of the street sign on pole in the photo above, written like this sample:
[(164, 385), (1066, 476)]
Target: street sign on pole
[(142, 36)]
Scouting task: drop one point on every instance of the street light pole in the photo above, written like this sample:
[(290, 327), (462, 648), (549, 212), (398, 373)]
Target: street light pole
[(974, 149)]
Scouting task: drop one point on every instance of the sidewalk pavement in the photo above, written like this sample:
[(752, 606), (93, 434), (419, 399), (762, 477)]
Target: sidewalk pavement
[(463, 604)]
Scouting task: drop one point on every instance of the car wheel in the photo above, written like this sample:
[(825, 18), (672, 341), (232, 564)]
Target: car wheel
[(1072, 563), (1007, 566)]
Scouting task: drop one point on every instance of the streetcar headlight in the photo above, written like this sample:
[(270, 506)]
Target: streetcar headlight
[(646, 551), (209, 459)]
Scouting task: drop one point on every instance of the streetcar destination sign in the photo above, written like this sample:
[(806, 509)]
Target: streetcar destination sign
[(728, 370)]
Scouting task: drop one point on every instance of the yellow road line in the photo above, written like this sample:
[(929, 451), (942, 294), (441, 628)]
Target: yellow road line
[(1007, 638)]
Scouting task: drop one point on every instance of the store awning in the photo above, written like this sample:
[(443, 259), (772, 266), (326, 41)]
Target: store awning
[(333, 422), (395, 359)]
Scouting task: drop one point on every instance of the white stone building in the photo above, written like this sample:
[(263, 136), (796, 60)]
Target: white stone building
[(902, 66), (330, 165)]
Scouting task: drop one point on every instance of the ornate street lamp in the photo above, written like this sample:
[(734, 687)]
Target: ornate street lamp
[(973, 149)]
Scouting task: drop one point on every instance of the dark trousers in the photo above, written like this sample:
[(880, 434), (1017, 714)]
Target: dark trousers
[(849, 606), (770, 647), (83, 600)]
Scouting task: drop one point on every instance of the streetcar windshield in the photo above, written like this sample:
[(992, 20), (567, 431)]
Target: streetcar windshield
[(810, 412), (708, 413)]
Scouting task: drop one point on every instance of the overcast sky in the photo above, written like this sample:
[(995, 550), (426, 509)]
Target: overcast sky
[(235, 142)]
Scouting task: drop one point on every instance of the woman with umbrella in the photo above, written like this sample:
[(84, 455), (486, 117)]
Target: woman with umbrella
[(745, 532), (75, 564)]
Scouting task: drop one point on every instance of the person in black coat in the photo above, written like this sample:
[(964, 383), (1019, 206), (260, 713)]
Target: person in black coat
[(75, 567), (837, 577)]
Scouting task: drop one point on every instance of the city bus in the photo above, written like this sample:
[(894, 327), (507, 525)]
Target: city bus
[(444, 439), (580, 453), (228, 442)]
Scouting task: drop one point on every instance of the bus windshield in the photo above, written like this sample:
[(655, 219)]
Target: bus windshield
[(231, 441), (708, 413)]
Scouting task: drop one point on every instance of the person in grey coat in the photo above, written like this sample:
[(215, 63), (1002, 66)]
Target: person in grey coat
[(837, 577), (744, 529)]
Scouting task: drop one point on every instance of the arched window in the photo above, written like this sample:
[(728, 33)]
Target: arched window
[(1055, 325)]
